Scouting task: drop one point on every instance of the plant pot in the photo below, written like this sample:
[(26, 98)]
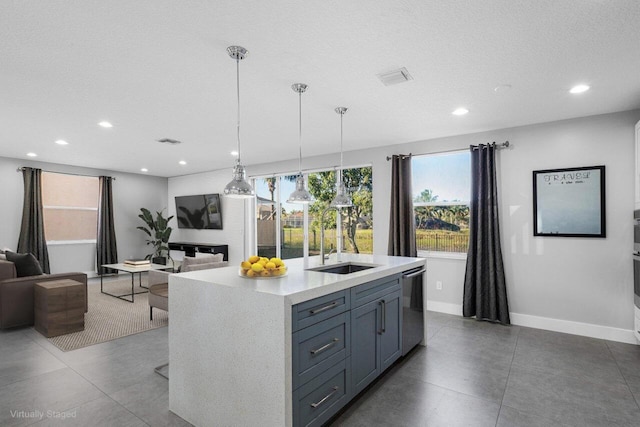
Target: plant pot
[(159, 260)]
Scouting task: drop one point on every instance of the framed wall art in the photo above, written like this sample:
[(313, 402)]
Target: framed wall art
[(569, 202)]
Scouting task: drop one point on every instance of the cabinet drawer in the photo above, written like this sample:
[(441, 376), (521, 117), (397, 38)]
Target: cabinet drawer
[(320, 346), (371, 291), (319, 399), (316, 310)]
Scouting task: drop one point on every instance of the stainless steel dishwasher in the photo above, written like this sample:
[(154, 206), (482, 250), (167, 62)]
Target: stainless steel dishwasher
[(412, 308)]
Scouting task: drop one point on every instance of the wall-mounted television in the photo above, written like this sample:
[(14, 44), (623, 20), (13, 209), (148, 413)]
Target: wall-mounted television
[(200, 211)]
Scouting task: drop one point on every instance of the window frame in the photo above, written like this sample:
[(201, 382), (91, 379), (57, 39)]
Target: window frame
[(441, 254), (78, 208)]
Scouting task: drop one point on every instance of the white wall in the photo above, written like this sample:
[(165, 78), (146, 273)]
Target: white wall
[(130, 193), (576, 285), (233, 213)]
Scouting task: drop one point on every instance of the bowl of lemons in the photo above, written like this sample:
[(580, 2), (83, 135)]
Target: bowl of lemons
[(256, 267)]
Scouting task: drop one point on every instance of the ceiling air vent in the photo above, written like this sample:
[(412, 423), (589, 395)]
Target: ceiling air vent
[(394, 77), (169, 141)]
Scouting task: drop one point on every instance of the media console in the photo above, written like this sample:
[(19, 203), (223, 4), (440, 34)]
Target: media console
[(191, 248)]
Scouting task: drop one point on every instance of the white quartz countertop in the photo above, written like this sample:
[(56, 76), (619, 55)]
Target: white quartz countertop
[(300, 284)]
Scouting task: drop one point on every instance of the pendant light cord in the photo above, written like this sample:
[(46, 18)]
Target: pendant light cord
[(340, 174), (238, 95), (300, 132)]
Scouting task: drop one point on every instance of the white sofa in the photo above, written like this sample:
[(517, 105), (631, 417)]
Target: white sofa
[(159, 280)]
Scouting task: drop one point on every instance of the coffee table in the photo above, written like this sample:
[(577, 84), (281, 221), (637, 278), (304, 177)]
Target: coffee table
[(132, 269)]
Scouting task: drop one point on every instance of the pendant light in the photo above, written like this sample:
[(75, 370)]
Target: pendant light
[(238, 187), (300, 195), (342, 199)]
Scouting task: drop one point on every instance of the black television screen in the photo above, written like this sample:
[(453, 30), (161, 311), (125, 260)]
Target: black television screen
[(201, 211)]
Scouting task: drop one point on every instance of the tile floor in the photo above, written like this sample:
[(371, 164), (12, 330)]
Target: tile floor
[(471, 374)]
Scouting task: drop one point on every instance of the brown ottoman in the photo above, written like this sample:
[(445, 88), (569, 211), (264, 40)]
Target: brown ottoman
[(59, 307), (158, 298)]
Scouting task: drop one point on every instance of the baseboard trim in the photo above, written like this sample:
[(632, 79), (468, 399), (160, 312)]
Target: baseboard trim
[(445, 307), (546, 323)]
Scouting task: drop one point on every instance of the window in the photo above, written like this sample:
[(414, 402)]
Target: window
[(70, 207), (280, 225), (441, 192)]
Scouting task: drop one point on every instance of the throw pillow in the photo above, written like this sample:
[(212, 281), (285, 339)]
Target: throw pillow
[(26, 264)]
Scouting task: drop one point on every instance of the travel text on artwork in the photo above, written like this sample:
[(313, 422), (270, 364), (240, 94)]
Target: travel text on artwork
[(567, 177)]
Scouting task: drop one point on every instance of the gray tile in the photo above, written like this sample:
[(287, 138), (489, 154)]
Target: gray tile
[(564, 354), (457, 409), (508, 333), (25, 359), (100, 412), (482, 346), (55, 391), (572, 400), (510, 417), (462, 372), (627, 356), (149, 400)]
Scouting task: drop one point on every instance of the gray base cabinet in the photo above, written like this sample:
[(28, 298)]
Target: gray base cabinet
[(377, 342), (342, 342)]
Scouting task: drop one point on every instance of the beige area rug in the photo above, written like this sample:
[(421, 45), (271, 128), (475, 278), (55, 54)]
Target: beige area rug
[(109, 318)]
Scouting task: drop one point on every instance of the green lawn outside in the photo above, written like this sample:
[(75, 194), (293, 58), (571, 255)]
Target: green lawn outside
[(426, 240)]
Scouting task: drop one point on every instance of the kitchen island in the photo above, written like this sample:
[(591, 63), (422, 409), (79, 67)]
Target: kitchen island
[(232, 339)]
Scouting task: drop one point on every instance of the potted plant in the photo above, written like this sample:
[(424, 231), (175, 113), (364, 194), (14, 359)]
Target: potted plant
[(158, 231)]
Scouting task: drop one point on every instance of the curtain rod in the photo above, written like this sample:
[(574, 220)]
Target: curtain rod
[(21, 168), (475, 147)]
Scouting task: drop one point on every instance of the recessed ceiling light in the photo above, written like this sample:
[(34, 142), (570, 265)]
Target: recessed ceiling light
[(579, 89), (105, 124), (234, 153), (32, 155), (62, 142), (144, 170), (502, 88), (182, 162), (460, 111)]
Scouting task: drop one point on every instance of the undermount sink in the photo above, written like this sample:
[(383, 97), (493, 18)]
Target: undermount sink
[(343, 268)]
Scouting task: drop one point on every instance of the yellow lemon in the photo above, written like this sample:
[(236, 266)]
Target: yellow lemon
[(269, 266), (280, 271), (251, 273), (264, 259), (253, 259), (265, 273), (243, 271), (257, 267), (245, 265), (277, 261)]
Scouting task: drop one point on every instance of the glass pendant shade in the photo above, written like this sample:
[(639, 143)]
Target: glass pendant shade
[(342, 199), (300, 195), (238, 187)]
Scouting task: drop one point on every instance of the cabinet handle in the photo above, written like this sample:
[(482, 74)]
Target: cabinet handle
[(384, 316), (325, 347), (326, 307), (324, 399)]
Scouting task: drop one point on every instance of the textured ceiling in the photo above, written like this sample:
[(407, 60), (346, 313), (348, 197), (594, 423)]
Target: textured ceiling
[(159, 69)]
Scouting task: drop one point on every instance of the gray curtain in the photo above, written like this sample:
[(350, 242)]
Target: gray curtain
[(106, 247), (402, 229), (32, 239), (485, 290)]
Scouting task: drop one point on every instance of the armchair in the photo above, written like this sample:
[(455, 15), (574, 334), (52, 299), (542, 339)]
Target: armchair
[(158, 280)]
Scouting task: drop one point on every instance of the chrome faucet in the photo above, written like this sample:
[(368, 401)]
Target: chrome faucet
[(322, 218)]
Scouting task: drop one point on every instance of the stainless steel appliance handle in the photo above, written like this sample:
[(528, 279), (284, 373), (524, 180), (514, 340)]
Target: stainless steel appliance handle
[(324, 347), (417, 273), (324, 399), (326, 307)]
